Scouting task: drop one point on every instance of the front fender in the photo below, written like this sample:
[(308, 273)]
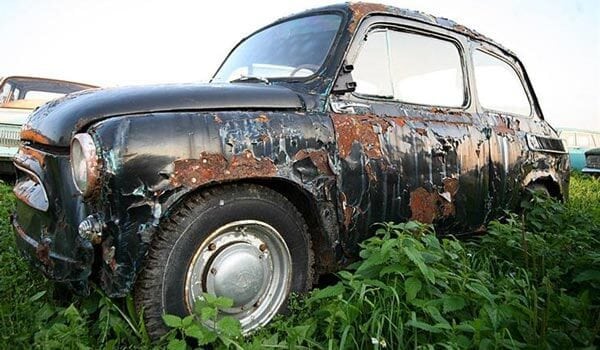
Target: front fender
[(152, 161)]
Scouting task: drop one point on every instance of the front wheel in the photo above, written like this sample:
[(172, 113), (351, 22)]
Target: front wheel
[(246, 243)]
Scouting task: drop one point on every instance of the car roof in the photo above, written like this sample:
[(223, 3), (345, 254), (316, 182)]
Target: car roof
[(360, 10)]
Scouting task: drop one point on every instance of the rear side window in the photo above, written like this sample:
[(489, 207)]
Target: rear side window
[(498, 85), (409, 67)]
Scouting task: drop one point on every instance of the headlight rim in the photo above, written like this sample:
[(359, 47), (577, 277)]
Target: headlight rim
[(92, 163)]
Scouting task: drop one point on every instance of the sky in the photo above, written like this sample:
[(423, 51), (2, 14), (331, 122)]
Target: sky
[(116, 42)]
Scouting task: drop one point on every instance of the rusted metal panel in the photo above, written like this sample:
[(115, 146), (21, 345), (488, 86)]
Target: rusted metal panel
[(146, 179), (455, 168)]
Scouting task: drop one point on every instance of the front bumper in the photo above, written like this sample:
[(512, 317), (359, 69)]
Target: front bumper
[(591, 171), (46, 216), (41, 254)]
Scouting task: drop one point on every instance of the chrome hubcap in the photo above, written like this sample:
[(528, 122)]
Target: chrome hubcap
[(248, 262)]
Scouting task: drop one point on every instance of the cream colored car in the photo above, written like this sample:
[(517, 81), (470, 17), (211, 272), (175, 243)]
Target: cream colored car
[(18, 97)]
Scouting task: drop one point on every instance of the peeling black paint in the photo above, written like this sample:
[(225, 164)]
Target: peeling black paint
[(456, 168)]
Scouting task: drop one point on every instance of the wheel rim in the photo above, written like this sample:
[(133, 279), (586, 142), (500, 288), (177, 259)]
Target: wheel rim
[(248, 262)]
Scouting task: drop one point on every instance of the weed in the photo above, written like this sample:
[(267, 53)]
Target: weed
[(532, 282)]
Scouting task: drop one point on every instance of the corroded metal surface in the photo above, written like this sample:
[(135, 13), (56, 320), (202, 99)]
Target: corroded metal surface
[(456, 168)]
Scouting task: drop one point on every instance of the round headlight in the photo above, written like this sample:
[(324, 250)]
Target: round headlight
[(84, 163)]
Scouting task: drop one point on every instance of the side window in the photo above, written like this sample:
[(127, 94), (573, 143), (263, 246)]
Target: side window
[(372, 67), (498, 85), (410, 68)]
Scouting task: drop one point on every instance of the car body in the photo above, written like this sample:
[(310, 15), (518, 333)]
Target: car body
[(19, 96), (592, 162), (290, 154), (578, 142)]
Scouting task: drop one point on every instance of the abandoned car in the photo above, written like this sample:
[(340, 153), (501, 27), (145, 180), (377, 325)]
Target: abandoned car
[(592, 162), (18, 97), (311, 131)]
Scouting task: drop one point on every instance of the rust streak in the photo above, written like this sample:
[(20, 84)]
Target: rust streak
[(347, 211), (361, 10)]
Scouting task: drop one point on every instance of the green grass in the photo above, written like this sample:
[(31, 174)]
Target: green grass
[(532, 282)]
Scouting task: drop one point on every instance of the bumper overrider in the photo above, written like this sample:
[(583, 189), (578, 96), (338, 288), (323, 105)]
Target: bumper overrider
[(46, 230)]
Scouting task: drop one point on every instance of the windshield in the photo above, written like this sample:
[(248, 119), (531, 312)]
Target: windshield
[(296, 48), (28, 93)]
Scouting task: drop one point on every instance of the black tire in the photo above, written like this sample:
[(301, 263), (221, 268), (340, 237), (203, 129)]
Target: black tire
[(163, 284)]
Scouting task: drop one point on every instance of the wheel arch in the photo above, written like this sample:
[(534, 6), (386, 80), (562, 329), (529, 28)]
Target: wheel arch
[(321, 216), (549, 180)]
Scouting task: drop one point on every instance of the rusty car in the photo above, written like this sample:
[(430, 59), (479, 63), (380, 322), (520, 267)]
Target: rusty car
[(19, 95), (313, 129)]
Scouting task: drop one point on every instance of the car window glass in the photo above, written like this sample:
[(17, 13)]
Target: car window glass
[(293, 48), (498, 86), (426, 70), (372, 67), (5, 93), (411, 68), (42, 95)]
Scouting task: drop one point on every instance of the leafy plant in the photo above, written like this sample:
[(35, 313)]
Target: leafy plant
[(205, 326), (533, 281)]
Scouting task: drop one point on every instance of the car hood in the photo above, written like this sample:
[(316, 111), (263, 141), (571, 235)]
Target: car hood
[(594, 151), (13, 116), (55, 122)]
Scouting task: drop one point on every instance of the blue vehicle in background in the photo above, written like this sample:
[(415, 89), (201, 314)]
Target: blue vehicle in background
[(577, 142)]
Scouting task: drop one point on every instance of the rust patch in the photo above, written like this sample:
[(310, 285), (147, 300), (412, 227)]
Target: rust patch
[(350, 128), (421, 131), (215, 167), (398, 121), (451, 185), (427, 206), (319, 158), (503, 127), (347, 211), (361, 10), (423, 205), (371, 172), (34, 136), (42, 251), (262, 118), (33, 153)]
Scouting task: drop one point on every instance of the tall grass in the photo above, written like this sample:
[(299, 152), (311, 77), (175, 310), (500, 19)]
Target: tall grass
[(533, 281)]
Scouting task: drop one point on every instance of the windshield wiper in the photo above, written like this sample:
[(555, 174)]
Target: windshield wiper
[(249, 79)]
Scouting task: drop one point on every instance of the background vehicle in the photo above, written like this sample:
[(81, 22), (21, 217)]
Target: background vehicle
[(252, 186), (18, 97), (592, 162), (578, 142)]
